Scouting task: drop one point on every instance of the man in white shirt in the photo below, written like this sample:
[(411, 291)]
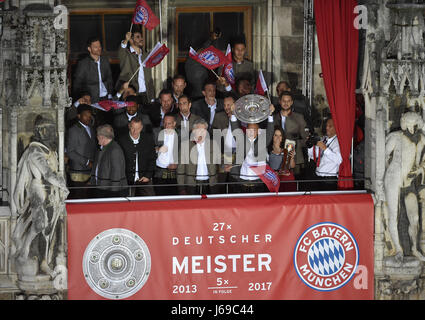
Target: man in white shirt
[(131, 66), (199, 175), (166, 162), (327, 156), (253, 151)]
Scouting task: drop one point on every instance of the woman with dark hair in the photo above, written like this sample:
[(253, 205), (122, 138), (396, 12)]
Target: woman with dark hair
[(281, 159)]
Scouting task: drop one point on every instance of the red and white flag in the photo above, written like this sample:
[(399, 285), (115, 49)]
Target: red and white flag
[(211, 58), (261, 87), (228, 72), (106, 105), (156, 55), (144, 15), (268, 176)]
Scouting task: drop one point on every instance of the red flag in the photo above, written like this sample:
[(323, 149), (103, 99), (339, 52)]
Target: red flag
[(144, 15), (156, 56), (106, 105), (211, 58), (228, 72), (261, 86), (268, 176)]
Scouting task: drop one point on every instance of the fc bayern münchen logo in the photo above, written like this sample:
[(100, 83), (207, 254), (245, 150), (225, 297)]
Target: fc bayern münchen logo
[(326, 256), (157, 58), (142, 15), (229, 73), (209, 58), (272, 177)]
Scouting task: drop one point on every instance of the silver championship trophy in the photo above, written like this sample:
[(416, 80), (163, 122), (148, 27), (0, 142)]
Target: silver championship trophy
[(252, 108)]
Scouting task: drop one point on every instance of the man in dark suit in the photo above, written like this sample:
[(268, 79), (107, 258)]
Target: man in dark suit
[(252, 151), (299, 105), (208, 107), (122, 117), (139, 153), (108, 171), (80, 149), (198, 168), (226, 173), (90, 70), (294, 125), (157, 110), (131, 66), (185, 117)]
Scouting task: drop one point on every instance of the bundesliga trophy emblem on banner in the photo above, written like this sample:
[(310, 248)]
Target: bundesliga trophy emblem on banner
[(116, 263)]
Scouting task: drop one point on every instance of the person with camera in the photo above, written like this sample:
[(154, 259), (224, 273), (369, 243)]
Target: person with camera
[(326, 154)]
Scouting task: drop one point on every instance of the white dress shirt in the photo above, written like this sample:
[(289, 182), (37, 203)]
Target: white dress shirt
[(185, 119), (141, 78), (330, 159), (250, 160), (201, 168), (136, 174), (283, 121), (229, 141), (246, 172), (212, 111), (86, 127), (166, 158), (130, 116), (102, 89)]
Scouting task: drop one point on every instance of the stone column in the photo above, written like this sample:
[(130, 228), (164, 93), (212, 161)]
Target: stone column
[(33, 69)]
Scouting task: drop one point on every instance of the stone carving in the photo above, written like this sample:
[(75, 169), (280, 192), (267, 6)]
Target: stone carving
[(39, 198), (404, 179)]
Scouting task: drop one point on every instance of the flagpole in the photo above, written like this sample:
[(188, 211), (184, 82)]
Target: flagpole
[(215, 74), (131, 27), (160, 21), (134, 74)]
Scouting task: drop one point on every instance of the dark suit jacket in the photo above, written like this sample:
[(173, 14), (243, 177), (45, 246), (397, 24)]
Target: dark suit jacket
[(146, 156), (111, 169), (129, 62), (86, 78), (242, 144), (80, 148), (200, 108), (121, 122), (153, 110), (186, 170), (295, 130), (192, 118)]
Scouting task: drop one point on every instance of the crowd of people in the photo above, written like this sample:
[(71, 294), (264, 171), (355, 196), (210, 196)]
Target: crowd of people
[(183, 143)]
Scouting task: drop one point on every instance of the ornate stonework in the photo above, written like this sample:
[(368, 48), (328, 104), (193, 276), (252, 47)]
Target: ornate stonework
[(392, 84), (33, 82)]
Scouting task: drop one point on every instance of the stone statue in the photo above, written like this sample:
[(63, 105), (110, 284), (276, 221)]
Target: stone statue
[(39, 197), (404, 179)]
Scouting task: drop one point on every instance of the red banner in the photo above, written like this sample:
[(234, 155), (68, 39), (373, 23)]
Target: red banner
[(274, 248)]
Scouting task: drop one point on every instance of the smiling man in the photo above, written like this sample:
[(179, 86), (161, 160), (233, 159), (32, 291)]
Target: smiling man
[(93, 74), (131, 54)]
